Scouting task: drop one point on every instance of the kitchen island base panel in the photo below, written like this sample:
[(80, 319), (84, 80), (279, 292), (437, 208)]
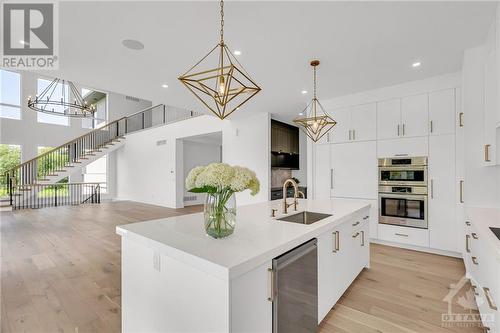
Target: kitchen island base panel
[(162, 294)]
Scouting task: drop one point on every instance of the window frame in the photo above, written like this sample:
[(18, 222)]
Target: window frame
[(20, 106), (46, 78)]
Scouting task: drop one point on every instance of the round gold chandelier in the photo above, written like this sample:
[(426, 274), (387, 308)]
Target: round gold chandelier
[(315, 122), (218, 80)]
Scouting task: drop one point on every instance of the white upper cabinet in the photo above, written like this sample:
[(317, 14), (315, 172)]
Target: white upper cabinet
[(341, 131), (389, 119), (442, 112), (414, 115), (363, 122), (490, 107)]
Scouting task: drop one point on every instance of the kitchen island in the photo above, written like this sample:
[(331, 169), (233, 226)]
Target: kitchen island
[(177, 279)]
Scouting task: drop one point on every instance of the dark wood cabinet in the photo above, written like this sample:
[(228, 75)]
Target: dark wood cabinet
[(284, 138)]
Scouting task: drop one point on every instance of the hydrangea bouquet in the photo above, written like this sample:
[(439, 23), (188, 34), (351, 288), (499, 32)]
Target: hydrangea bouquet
[(220, 181)]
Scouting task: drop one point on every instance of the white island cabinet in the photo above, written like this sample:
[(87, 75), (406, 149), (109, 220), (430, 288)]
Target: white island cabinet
[(177, 279)]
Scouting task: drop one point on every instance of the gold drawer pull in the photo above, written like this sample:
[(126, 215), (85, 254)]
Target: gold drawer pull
[(337, 241), (474, 289), (467, 243), (474, 260), (355, 224), (489, 299), (474, 235), (467, 223), (402, 235), (271, 276), (487, 153), (355, 235)]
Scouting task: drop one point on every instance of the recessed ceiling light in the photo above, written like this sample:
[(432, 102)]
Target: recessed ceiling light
[(301, 113), (23, 42), (304, 92), (416, 64), (132, 44), (237, 52), (164, 85)]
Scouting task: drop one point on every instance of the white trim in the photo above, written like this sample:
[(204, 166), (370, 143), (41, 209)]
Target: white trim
[(418, 248)]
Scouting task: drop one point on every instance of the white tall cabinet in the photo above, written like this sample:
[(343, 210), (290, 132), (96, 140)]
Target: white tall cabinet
[(443, 226)]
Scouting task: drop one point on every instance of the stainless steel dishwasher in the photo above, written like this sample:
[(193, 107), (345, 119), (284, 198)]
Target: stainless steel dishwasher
[(295, 290)]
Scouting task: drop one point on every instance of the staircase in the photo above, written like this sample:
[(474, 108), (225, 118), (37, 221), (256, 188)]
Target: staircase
[(29, 182)]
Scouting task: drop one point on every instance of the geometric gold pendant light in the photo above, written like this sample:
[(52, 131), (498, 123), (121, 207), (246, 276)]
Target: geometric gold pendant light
[(218, 80), (315, 122)]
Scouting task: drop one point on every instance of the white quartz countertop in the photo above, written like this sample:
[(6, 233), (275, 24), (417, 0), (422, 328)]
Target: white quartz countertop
[(257, 238), (483, 219)]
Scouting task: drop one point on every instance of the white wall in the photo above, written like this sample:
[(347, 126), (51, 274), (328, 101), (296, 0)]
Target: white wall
[(196, 154), (151, 173)]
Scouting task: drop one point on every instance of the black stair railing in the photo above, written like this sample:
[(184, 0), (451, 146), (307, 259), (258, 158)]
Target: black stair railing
[(54, 195)]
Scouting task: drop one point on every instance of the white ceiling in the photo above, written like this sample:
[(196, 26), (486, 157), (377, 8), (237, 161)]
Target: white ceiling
[(361, 45)]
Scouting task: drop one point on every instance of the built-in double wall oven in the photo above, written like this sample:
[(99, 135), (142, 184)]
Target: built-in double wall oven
[(403, 191)]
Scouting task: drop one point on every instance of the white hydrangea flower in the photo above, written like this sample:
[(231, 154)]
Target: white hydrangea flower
[(191, 178), (217, 175), (223, 176)]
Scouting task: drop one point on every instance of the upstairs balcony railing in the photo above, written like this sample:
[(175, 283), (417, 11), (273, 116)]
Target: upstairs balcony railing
[(73, 152)]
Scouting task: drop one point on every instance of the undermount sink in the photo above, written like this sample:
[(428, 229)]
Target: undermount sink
[(305, 217)]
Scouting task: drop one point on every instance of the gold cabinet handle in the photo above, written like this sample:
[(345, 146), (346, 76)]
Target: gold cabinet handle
[(349, 135), (271, 277), (355, 235), (467, 237), (461, 191), (401, 235), (474, 260), (467, 223), (354, 134), (432, 188), (366, 217), (398, 129), (474, 235), (337, 241), (491, 304), (432, 126), (355, 224), (474, 289), (487, 153), (461, 119), (362, 238), (403, 129), (328, 137)]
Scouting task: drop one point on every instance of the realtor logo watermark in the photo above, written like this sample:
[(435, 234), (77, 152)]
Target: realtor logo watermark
[(469, 300), (30, 35)]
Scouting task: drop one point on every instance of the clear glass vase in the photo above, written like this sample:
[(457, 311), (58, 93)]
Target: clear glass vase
[(220, 214)]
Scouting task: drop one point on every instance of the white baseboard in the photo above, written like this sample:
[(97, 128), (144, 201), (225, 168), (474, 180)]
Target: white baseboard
[(418, 248)]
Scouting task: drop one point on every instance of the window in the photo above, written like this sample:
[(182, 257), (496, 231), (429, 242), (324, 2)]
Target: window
[(10, 156), (10, 94), (60, 91), (95, 172), (99, 100)]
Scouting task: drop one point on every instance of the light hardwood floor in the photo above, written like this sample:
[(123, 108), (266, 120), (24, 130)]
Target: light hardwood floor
[(60, 272)]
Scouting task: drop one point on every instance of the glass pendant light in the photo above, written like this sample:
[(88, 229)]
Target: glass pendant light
[(222, 87), (315, 122)]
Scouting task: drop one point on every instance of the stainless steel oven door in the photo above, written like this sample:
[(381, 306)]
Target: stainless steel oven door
[(407, 175), (403, 210)]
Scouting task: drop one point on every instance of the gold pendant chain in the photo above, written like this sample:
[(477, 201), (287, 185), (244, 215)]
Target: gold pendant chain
[(222, 22)]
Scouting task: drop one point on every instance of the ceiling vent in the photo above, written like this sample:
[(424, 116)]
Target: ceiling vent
[(130, 98)]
